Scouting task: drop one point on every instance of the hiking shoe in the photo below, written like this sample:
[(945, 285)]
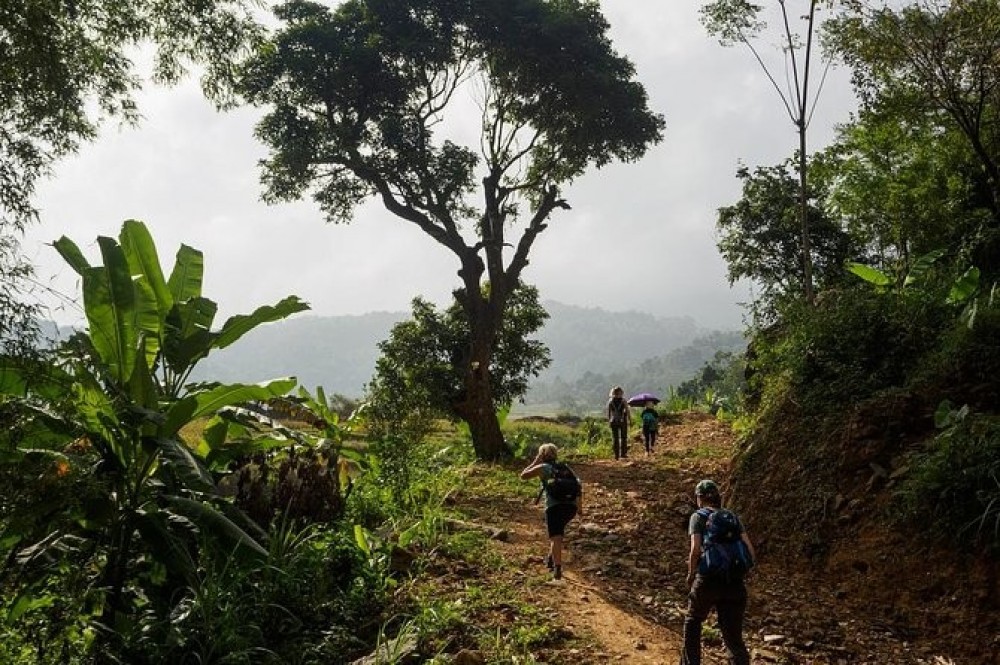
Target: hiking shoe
[(549, 563), (557, 573)]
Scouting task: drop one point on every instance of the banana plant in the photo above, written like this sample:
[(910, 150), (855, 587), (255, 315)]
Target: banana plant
[(962, 293), (257, 445), (120, 393), (914, 277)]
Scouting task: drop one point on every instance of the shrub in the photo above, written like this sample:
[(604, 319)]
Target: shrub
[(854, 344), (954, 484)]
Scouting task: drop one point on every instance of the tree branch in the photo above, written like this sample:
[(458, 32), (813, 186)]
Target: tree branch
[(550, 201)]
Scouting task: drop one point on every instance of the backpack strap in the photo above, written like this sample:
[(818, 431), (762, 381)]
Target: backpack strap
[(705, 514), (542, 490)]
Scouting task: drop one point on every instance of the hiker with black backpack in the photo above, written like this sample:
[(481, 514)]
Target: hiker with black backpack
[(563, 499), (721, 555), (618, 419)]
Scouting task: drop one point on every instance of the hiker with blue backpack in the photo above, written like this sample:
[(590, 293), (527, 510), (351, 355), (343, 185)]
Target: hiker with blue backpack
[(720, 557), (650, 425), (563, 499)]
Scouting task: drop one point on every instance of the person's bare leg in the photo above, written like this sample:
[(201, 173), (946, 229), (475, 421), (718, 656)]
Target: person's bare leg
[(555, 549)]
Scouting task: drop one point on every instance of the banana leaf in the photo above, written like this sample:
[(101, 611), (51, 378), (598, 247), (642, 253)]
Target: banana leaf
[(187, 331), (186, 277), (140, 251), (215, 524), (921, 266), (189, 470), (227, 395), (109, 302), (239, 325), (869, 274), (165, 546), (72, 255), (964, 287)]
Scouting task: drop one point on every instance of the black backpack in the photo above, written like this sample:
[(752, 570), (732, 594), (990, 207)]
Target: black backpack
[(563, 486), (723, 553)]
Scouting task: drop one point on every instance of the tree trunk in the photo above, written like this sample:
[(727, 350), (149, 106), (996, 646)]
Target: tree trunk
[(807, 276), (477, 408)]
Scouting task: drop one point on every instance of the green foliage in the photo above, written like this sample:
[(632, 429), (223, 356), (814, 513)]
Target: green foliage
[(760, 236), (76, 58), (952, 490), (888, 49), (902, 187), (421, 373), (18, 313), (133, 498), (279, 471), (675, 402), (719, 386), (525, 437), (854, 344), (732, 20), (310, 600)]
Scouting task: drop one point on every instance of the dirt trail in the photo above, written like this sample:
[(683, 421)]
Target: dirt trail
[(625, 561), (625, 566)]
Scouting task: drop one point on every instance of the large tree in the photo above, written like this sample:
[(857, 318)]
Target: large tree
[(64, 66), (419, 375), (934, 61), (738, 21), (358, 98), (759, 236)]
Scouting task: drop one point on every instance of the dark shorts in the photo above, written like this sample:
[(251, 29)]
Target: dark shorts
[(558, 516)]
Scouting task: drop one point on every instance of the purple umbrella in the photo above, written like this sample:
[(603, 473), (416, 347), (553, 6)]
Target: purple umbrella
[(642, 398)]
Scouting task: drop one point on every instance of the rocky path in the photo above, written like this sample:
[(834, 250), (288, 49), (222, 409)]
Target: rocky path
[(625, 562), (625, 566)]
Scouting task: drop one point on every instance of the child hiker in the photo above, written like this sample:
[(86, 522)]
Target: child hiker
[(563, 499), (650, 423)]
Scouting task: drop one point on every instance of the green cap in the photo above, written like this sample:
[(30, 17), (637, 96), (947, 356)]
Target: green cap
[(706, 488)]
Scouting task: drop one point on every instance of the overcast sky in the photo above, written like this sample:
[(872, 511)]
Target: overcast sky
[(639, 236)]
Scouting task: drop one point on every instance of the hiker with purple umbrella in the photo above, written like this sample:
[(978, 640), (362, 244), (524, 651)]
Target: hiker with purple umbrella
[(649, 418)]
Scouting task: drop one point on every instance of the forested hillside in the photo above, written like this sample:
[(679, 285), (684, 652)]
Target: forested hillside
[(339, 352), (588, 391)]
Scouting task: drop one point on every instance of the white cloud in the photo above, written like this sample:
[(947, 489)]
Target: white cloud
[(639, 236)]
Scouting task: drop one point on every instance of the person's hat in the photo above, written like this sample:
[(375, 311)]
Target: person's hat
[(706, 488)]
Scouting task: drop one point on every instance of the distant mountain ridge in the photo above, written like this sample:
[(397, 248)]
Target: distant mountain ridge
[(339, 352)]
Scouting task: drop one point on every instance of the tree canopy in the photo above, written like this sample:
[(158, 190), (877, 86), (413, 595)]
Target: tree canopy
[(370, 99), (65, 66), (759, 235), (933, 63)]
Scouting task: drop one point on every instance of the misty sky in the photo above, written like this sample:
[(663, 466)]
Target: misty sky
[(639, 236)]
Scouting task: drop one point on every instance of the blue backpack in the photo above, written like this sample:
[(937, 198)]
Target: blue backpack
[(724, 555)]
